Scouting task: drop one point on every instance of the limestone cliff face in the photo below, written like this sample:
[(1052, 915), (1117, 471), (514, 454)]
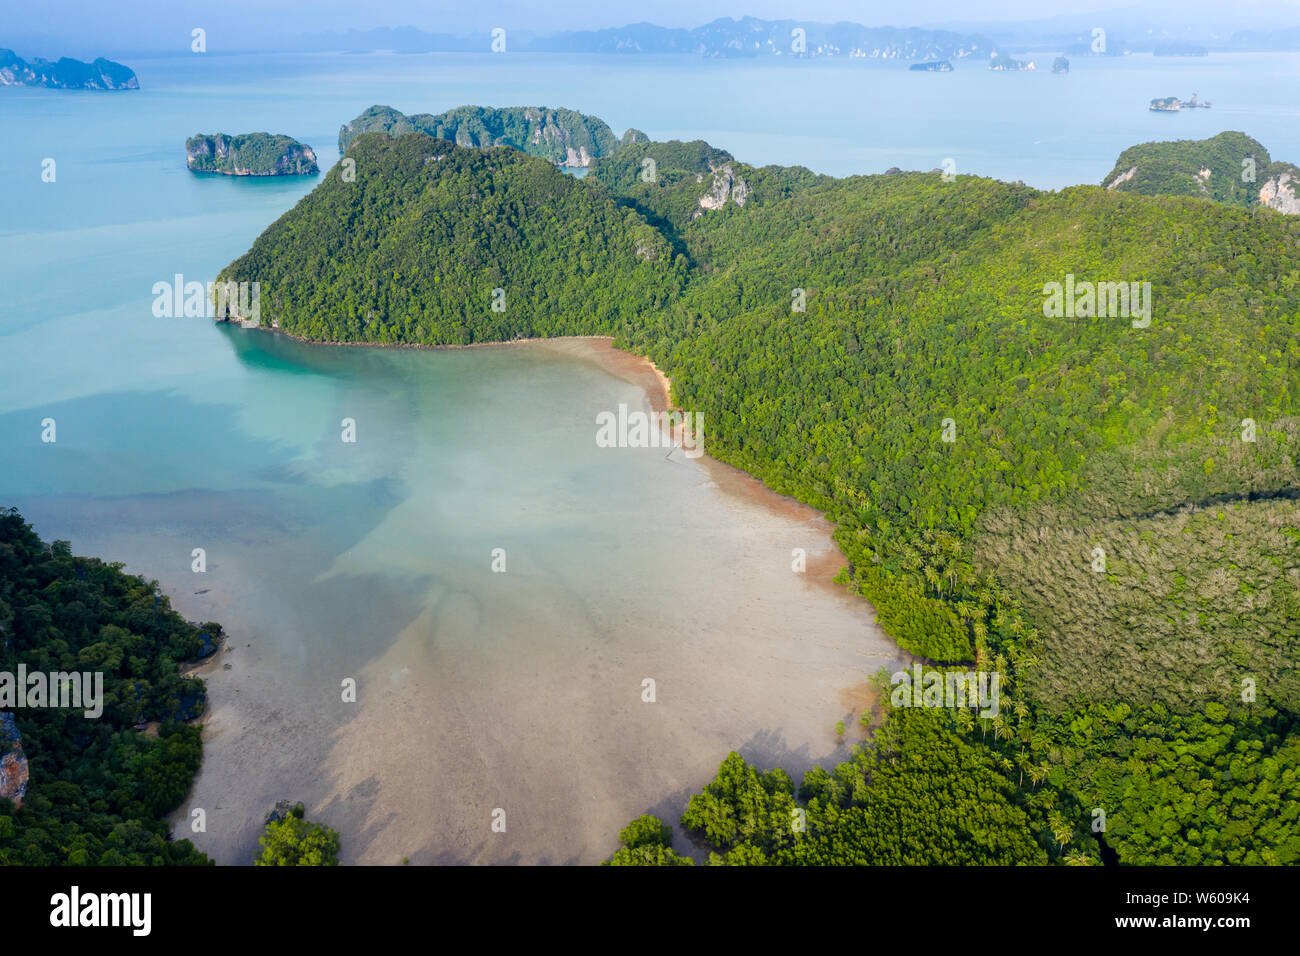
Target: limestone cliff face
[(1122, 178), (576, 159), (1279, 192), (13, 762), (253, 154), (726, 185)]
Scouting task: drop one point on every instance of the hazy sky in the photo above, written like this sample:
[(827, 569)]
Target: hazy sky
[(109, 26)]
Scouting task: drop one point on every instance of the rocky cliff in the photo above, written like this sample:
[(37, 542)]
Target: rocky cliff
[(1280, 190), (252, 154), (13, 762), (725, 185)]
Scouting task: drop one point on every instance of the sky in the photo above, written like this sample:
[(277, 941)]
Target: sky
[(52, 28)]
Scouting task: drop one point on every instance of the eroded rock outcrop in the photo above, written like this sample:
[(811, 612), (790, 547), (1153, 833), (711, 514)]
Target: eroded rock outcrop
[(1279, 192), (14, 773), (726, 185)]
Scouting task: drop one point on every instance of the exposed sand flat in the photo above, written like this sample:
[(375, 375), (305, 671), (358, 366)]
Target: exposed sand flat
[(479, 690), (765, 663)]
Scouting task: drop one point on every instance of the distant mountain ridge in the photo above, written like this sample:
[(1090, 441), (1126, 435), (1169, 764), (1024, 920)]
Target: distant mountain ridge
[(724, 37), (751, 36)]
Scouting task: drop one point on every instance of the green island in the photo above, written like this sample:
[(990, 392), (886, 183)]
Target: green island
[(1230, 167), (252, 154), (1099, 510), (564, 137)]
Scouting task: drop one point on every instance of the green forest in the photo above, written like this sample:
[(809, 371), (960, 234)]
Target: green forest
[(1230, 167), (100, 788), (1101, 511)]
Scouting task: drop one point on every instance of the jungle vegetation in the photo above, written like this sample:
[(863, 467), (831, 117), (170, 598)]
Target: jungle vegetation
[(100, 788), (1100, 509)]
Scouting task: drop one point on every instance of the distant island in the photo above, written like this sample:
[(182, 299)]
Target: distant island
[(565, 137), (1230, 168), (932, 66), (1060, 65), (999, 61), (1172, 104), (66, 74), (252, 154), (1180, 49)]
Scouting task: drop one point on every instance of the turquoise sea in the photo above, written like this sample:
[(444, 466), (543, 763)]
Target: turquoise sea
[(371, 560)]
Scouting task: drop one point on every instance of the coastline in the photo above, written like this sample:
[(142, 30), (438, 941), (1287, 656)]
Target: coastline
[(748, 657), (639, 370)]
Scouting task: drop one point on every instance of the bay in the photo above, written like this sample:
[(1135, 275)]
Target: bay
[(372, 561)]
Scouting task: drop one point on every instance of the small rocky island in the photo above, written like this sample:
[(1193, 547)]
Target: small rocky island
[(1172, 104), (932, 66), (252, 154), (999, 61), (1060, 65), (66, 74)]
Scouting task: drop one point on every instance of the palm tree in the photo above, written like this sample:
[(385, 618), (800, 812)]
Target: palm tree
[(1062, 832), (931, 577), (965, 720)]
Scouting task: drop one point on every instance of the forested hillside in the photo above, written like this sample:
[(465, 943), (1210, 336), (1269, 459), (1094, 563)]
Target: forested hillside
[(415, 249), (1102, 508), (1230, 167), (99, 788)]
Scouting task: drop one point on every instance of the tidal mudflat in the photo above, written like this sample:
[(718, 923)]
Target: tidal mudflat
[(518, 691)]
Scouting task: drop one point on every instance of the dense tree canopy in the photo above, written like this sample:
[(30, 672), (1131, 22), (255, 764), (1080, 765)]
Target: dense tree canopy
[(99, 788), (1097, 503)]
